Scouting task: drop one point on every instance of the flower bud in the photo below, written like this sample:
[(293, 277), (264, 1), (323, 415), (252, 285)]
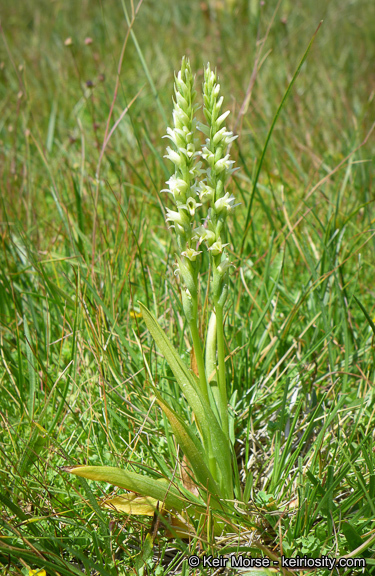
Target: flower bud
[(187, 274), (221, 118), (219, 189), (220, 289), (223, 266), (195, 171), (189, 306), (181, 102), (223, 295)]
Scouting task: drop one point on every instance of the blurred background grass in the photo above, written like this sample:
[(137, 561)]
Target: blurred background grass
[(77, 253)]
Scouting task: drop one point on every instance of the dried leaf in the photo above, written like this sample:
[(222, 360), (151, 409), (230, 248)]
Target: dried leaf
[(132, 504)]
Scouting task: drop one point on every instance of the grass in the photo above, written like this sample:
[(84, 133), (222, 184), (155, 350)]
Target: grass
[(78, 253)]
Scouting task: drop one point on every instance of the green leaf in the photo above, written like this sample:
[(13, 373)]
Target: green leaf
[(356, 543), (30, 360), (352, 537), (145, 554), (207, 423), (160, 489), (367, 315), (191, 448), (260, 163)]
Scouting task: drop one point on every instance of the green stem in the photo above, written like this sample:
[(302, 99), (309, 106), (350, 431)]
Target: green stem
[(203, 387), (211, 365), (223, 408), (199, 358)]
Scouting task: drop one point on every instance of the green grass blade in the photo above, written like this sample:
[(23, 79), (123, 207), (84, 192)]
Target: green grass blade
[(260, 164), (367, 315), (31, 366)]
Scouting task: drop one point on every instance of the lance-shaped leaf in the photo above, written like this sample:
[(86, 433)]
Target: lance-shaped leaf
[(176, 524), (132, 504), (159, 489), (207, 422), (192, 449)]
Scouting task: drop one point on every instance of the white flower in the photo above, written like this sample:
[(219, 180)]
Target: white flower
[(217, 247), (229, 138), (196, 171), (177, 187), (204, 234), (223, 164), (191, 254), (190, 149), (224, 136), (171, 135), (226, 203), (220, 134), (208, 156), (179, 218), (173, 156), (205, 192), (191, 206)]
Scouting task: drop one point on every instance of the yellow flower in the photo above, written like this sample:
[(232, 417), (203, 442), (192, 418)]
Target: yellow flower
[(39, 572), (134, 314)]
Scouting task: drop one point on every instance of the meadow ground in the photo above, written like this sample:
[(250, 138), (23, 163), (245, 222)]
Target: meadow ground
[(86, 96)]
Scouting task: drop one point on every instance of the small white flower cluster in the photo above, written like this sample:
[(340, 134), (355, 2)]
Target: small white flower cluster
[(191, 186), (219, 169), (182, 185)]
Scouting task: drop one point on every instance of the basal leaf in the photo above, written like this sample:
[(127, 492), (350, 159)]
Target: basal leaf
[(132, 504), (192, 449), (212, 433), (159, 489)]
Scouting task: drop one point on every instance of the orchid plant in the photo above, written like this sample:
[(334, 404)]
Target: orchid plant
[(200, 221)]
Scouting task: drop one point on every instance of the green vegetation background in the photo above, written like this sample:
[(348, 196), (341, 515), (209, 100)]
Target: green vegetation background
[(78, 252)]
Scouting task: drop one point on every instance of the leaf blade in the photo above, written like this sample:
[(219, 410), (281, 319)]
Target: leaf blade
[(160, 489), (132, 504), (194, 453), (210, 428)]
